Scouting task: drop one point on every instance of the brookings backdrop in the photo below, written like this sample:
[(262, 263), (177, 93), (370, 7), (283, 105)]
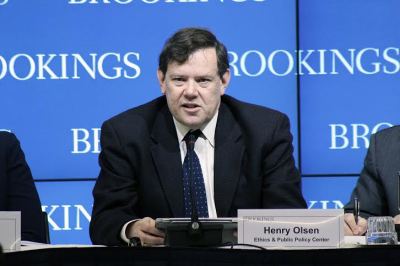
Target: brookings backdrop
[(67, 65)]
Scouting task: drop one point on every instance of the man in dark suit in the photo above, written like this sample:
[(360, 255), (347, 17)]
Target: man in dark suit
[(17, 189), (244, 150), (378, 185)]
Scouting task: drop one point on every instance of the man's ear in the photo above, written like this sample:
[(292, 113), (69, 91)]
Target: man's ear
[(225, 81), (161, 81)]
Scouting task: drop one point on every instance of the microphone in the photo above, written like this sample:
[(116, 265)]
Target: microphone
[(192, 230)]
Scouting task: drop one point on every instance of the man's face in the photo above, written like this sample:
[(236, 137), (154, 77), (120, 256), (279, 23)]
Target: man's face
[(194, 88)]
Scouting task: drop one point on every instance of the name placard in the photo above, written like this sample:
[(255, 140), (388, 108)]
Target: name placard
[(291, 228), (10, 230)]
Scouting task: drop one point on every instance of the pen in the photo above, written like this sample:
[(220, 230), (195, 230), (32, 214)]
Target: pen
[(356, 210)]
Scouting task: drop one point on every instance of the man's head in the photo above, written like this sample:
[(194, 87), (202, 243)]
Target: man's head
[(193, 74)]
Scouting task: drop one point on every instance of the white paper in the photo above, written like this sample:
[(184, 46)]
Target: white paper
[(10, 230)]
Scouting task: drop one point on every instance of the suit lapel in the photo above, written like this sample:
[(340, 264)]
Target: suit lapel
[(229, 151), (167, 159)]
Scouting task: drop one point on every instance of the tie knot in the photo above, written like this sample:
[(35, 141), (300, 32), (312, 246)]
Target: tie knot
[(191, 138)]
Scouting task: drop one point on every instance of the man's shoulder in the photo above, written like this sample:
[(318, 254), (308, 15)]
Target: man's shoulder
[(8, 141), (144, 112), (251, 111), (391, 134), (6, 136)]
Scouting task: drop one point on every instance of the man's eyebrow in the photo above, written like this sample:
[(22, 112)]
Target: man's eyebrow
[(211, 76), (177, 75)]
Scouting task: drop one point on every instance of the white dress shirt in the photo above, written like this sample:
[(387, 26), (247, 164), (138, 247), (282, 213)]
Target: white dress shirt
[(204, 148)]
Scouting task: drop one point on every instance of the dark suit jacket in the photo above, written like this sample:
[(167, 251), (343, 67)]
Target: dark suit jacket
[(17, 190), (378, 185), (141, 168)]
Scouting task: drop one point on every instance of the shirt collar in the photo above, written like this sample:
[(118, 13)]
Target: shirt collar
[(207, 129)]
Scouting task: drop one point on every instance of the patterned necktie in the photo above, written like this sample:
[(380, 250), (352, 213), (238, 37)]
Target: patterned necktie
[(193, 182)]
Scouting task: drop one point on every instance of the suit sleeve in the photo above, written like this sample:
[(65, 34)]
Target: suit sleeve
[(282, 181), (369, 188), (115, 192), (22, 195)]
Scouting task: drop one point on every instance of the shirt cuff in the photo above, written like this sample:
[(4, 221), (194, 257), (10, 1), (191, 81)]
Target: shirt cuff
[(123, 231)]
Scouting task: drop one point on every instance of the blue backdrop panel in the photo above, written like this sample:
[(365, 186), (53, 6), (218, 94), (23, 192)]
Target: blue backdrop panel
[(65, 67), (328, 192), (68, 65), (69, 208), (350, 86)]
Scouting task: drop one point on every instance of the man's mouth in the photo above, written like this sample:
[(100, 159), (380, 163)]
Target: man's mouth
[(191, 107)]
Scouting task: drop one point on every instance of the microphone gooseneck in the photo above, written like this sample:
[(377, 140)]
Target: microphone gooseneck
[(195, 227)]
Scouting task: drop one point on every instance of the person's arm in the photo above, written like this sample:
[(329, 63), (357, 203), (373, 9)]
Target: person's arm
[(144, 229), (370, 193), (22, 195), (282, 182), (115, 194)]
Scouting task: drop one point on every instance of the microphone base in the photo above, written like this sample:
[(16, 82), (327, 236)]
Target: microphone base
[(184, 235)]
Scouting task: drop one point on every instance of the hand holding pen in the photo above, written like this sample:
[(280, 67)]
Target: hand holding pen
[(354, 224)]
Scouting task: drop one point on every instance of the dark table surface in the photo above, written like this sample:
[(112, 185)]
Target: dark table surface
[(147, 256)]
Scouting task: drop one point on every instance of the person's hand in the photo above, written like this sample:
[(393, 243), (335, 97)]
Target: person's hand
[(397, 219), (146, 231), (353, 229)]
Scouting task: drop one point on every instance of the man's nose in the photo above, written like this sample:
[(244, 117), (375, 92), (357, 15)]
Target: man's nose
[(191, 89)]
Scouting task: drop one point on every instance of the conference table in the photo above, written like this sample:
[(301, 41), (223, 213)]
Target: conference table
[(148, 256)]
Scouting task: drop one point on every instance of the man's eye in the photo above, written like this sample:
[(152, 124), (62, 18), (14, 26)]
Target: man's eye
[(178, 81), (204, 80)]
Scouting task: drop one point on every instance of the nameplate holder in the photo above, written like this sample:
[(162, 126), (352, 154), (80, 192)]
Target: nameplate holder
[(10, 230), (291, 228)]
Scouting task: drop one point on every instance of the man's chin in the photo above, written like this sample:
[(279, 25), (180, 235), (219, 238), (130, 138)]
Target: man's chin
[(192, 123)]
